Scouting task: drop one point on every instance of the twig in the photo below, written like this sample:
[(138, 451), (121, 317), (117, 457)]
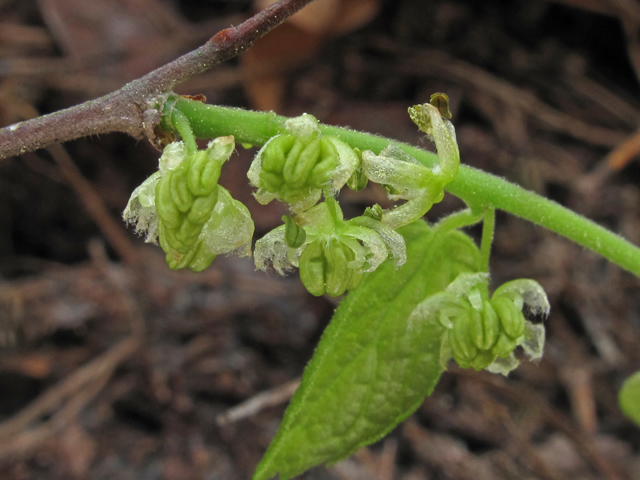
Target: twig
[(554, 418), (438, 63), (24, 433), (625, 152), (134, 109), (112, 230), (387, 460), (263, 400), (27, 442), (101, 366)]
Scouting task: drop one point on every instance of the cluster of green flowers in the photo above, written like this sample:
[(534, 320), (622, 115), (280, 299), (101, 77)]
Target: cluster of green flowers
[(332, 254), (482, 332), (302, 165), (184, 209)]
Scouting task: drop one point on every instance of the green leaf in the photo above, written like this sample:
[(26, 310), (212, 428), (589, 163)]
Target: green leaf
[(629, 398), (372, 368)]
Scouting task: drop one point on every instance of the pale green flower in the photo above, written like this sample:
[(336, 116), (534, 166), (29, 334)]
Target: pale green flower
[(183, 208), (483, 332), (335, 253), (297, 166), (407, 179)]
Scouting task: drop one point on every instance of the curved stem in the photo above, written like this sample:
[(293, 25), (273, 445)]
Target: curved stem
[(475, 187), (463, 218), (181, 123)]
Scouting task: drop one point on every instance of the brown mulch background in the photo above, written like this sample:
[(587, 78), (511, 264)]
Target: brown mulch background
[(114, 367)]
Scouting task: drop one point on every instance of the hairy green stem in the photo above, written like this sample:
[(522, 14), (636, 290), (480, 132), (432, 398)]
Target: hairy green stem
[(181, 122), (460, 219), (475, 187), (488, 226)]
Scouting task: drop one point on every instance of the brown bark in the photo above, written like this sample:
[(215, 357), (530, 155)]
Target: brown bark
[(135, 108)]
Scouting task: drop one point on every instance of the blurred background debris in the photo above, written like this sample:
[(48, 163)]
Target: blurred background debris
[(113, 366)]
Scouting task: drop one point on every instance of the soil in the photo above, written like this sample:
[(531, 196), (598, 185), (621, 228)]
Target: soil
[(112, 366)]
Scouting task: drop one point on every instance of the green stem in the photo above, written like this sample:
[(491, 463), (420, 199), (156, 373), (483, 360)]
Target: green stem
[(488, 226), (475, 187), (460, 219), (181, 122)]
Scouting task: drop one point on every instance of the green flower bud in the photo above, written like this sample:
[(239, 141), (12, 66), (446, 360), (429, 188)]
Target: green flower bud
[(460, 338), (294, 234), (375, 212), (297, 166), (440, 131), (504, 346), (312, 274), (197, 257), (463, 342), (185, 198), (511, 317), (192, 217), (520, 302), (358, 180), (510, 301), (486, 327), (324, 268), (204, 169)]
